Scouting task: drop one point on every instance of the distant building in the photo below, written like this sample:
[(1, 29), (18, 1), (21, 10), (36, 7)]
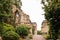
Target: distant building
[(34, 29), (45, 27)]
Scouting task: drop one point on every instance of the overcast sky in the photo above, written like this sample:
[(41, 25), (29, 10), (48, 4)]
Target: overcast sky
[(34, 9)]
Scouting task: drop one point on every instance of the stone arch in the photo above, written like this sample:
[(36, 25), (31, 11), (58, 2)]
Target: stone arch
[(17, 18)]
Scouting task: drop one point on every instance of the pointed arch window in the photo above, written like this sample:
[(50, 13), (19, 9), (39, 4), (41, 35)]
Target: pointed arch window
[(17, 17)]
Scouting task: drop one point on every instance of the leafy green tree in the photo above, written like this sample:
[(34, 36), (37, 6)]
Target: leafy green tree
[(6, 14), (10, 35), (18, 3), (5, 10), (22, 30), (52, 14)]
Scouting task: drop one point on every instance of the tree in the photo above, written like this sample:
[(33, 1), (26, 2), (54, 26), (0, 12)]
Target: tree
[(18, 3), (10, 35), (52, 14), (6, 14), (22, 30), (5, 10)]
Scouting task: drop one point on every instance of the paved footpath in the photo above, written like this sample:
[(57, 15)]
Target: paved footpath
[(38, 37)]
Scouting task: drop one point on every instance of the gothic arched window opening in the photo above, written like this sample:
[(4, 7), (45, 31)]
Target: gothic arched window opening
[(17, 17)]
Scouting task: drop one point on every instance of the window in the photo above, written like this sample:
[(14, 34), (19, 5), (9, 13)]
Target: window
[(17, 17), (17, 14)]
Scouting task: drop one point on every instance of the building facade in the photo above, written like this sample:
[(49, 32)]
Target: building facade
[(45, 27), (21, 18)]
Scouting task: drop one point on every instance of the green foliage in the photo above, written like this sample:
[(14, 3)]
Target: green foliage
[(1, 28), (39, 32), (52, 14), (4, 27), (18, 3), (5, 10), (7, 27), (33, 30), (8, 32), (22, 30), (6, 16), (10, 35)]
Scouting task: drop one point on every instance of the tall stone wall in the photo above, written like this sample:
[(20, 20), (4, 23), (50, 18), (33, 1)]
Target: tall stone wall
[(21, 18)]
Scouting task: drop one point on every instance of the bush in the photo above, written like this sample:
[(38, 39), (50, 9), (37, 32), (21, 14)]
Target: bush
[(10, 35), (4, 27), (1, 27), (39, 32), (7, 27), (22, 30)]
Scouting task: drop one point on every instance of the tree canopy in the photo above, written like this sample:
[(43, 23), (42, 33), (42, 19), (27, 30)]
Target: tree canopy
[(52, 14), (5, 10)]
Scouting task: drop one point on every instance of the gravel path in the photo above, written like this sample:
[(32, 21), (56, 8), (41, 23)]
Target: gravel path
[(38, 37)]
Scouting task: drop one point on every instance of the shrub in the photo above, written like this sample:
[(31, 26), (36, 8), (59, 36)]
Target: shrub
[(1, 27), (10, 35), (4, 27), (22, 30), (39, 32), (7, 27)]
